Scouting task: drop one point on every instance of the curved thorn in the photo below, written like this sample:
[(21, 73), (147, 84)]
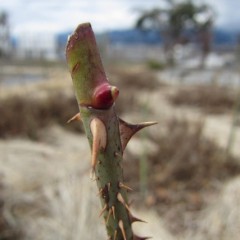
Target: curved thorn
[(113, 211), (127, 130), (100, 192), (118, 154), (114, 92), (121, 185), (103, 210), (93, 175), (109, 214), (99, 134), (130, 203), (121, 200), (135, 219), (76, 117), (120, 224)]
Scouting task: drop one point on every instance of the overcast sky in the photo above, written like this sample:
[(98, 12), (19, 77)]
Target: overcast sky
[(61, 15)]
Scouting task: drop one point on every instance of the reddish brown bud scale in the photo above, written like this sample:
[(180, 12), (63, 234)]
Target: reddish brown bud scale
[(104, 96)]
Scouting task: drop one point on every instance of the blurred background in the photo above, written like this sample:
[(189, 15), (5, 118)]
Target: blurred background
[(175, 62)]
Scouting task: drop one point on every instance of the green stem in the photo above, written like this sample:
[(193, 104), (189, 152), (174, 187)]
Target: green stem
[(107, 134)]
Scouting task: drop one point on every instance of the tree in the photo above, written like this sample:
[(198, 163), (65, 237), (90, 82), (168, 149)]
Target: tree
[(175, 20), (5, 43)]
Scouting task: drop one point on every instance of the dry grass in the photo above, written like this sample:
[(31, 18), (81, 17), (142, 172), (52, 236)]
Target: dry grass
[(7, 232), (24, 116), (134, 78), (221, 219), (53, 207), (131, 83), (208, 98), (186, 171), (46, 192)]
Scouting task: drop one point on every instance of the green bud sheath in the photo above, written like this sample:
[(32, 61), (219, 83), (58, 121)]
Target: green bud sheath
[(85, 65)]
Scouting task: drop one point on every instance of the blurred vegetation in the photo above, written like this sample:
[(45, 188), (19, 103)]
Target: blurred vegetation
[(25, 117), (185, 170), (177, 21), (4, 35), (209, 98), (155, 65), (129, 81), (138, 78), (7, 232)]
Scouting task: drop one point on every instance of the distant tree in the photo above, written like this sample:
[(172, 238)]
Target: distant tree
[(4, 35), (175, 20)]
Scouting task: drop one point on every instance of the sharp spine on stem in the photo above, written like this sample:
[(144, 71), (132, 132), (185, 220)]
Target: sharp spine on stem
[(109, 214), (99, 134), (121, 185), (127, 130), (103, 210), (121, 226), (76, 117), (121, 200), (113, 211), (134, 219)]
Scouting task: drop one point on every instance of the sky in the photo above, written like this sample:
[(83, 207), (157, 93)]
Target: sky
[(52, 16)]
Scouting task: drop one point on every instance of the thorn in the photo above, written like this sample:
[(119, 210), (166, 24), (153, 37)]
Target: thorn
[(103, 210), (130, 203), (113, 211), (100, 192), (76, 117), (114, 92), (121, 185), (93, 175), (99, 133), (120, 224), (134, 219), (140, 238), (121, 200), (109, 213), (127, 130), (117, 154), (115, 235)]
